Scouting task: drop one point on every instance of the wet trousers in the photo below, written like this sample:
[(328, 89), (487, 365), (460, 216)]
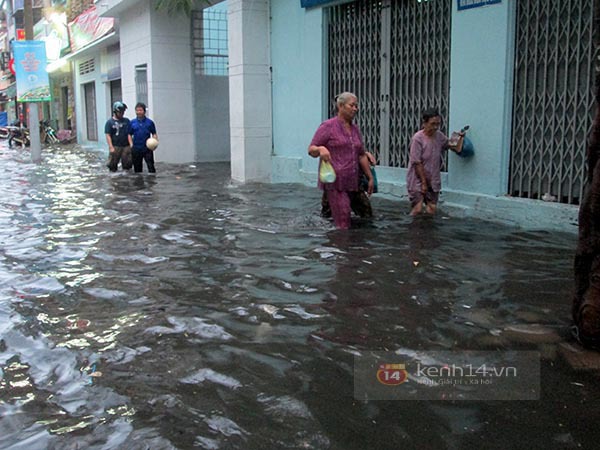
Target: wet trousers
[(359, 203), (339, 202), (122, 154), (138, 160)]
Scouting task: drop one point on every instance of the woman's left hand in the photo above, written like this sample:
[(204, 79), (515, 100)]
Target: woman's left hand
[(371, 186), (371, 158)]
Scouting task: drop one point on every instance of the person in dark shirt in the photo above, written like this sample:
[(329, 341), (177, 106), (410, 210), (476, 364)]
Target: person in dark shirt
[(140, 130), (117, 137)]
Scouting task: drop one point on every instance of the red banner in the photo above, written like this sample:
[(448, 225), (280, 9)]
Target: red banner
[(88, 27)]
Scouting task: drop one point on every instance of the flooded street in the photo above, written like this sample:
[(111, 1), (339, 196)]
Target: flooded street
[(184, 311)]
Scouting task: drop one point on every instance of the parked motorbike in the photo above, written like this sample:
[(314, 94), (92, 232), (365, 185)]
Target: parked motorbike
[(18, 135), (6, 131), (47, 133)]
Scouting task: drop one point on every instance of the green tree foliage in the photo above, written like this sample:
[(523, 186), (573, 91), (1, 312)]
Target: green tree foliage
[(76, 7), (184, 6)]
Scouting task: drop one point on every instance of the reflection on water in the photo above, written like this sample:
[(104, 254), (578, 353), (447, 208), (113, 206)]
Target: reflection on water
[(185, 311)]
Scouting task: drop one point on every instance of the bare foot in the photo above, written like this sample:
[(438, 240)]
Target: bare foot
[(430, 209), (417, 209)]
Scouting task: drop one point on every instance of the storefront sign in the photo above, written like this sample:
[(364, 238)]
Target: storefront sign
[(88, 27), (33, 84), (311, 3), (468, 4)]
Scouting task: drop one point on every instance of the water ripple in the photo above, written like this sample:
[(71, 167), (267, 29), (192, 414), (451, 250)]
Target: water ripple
[(184, 310)]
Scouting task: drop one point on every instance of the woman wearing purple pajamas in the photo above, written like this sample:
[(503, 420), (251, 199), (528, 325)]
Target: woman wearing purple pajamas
[(339, 141)]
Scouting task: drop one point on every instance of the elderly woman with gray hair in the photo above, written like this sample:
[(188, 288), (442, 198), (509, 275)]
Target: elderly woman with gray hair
[(339, 142)]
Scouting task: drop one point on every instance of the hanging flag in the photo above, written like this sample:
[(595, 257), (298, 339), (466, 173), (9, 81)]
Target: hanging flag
[(33, 84)]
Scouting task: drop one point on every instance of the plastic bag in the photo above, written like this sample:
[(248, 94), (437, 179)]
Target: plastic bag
[(326, 172), (467, 148)]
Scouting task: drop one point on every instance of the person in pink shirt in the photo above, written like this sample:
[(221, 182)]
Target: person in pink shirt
[(339, 142), (423, 180)]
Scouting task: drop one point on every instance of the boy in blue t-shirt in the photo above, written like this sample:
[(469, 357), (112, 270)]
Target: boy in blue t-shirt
[(141, 128)]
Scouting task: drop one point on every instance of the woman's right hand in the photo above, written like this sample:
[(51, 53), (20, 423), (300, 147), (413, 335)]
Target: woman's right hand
[(324, 154)]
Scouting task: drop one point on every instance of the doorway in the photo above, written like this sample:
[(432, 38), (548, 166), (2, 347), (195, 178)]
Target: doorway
[(89, 90)]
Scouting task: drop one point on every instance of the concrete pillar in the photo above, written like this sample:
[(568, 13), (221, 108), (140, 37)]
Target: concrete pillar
[(250, 90), (481, 72)]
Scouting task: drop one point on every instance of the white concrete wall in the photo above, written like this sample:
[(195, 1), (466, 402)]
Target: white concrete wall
[(162, 42), (170, 86), (134, 42), (250, 89)]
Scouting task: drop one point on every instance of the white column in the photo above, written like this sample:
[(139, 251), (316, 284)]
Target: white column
[(34, 133), (250, 90)]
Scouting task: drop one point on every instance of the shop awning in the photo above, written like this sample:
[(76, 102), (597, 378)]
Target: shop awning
[(109, 39), (9, 92)]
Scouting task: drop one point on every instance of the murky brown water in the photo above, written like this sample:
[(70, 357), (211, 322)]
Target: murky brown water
[(185, 311)]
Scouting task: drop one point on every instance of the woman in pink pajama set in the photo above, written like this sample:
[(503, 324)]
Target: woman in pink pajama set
[(339, 141), (423, 179)]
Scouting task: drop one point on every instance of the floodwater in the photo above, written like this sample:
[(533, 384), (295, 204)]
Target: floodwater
[(184, 311)]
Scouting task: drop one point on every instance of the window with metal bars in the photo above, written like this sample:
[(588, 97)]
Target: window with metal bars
[(141, 84), (209, 42)]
